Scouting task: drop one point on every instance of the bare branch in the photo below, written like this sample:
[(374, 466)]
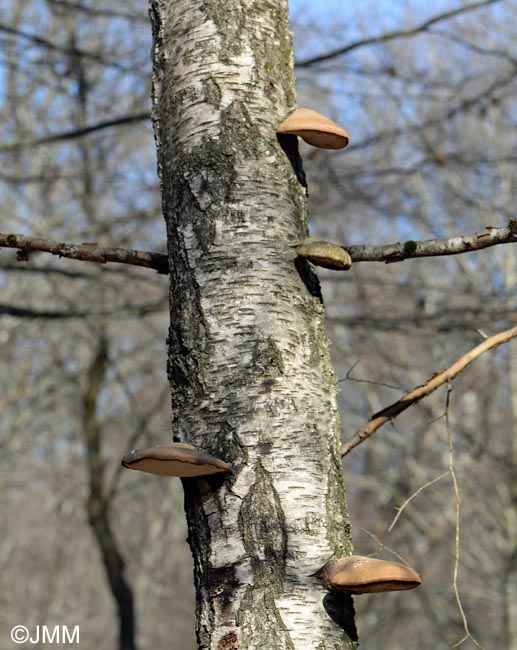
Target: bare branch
[(55, 47), (74, 133), (45, 270), (124, 311), (435, 247), (438, 379), (452, 472), (444, 320), (398, 252), (88, 252), (401, 33), (42, 42), (103, 13)]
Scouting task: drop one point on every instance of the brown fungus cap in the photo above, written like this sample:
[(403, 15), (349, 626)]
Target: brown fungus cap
[(314, 129), (174, 459), (365, 575), (324, 253)]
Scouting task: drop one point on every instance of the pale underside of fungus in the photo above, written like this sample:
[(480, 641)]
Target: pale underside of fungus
[(357, 574), (175, 459), (323, 253), (314, 128)]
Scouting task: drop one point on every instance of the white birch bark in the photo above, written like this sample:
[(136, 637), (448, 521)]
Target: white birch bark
[(248, 361)]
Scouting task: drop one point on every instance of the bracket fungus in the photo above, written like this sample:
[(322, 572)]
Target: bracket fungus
[(357, 574), (315, 129), (174, 459), (323, 253)]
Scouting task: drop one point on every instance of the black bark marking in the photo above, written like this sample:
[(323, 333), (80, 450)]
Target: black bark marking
[(222, 583), (289, 144), (309, 278), (340, 607), (262, 524)]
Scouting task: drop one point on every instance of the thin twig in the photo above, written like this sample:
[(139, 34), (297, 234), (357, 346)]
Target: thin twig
[(348, 377), (381, 544), (457, 495), (464, 106), (415, 494), (438, 379)]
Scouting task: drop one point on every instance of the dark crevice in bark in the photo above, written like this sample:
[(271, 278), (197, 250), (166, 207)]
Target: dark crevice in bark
[(340, 607), (199, 541), (289, 144), (309, 278)]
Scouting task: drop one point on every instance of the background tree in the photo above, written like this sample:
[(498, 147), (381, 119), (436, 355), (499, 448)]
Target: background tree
[(432, 155)]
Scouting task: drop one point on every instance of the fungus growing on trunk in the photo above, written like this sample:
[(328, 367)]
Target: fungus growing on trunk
[(315, 129), (324, 253), (365, 575), (174, 459)]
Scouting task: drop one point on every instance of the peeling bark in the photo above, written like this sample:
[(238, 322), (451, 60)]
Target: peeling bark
[(248, 359)]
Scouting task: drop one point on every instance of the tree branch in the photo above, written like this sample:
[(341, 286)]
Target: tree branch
[(435, 247), (464, 106), (443, 320), (103, 13), (43, 42), (124, 311), (401, 33), (55, 47), (88, 252), (380, 418), (74, 133)]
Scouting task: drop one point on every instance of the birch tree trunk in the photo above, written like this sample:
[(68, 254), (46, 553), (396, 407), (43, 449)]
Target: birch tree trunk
[(248, 357)]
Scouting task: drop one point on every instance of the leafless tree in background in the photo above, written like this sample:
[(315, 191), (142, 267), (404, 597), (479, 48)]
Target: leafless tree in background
[(431, 115)]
